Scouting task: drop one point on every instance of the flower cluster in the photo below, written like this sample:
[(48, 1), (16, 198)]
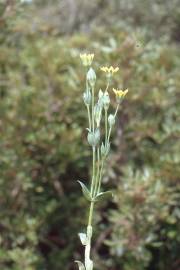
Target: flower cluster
[(110, 70), (120, 93), (87, 58)]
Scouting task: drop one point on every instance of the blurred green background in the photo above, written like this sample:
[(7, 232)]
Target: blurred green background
[(43, 137)]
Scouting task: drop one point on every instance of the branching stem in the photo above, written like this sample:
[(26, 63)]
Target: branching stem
[(98, 154)]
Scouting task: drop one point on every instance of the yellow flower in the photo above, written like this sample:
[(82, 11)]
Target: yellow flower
[(87, 58), (120, 93), (110, 70)]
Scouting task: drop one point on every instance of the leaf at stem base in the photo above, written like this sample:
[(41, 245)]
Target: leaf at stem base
[(85, 191), (80, 265), (103, 195)]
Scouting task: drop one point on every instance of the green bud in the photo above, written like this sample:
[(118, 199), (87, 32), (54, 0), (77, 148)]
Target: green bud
[(100, 99), (97, 135), (105, 149), (87, 97), (106, 100), (97, 113), (91, 77), (111, 120), (100, 94), (90, 138), (94, 137)]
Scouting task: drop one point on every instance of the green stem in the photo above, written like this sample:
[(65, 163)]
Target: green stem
[(93, 170), (94, 149), (109, 134), (89, 116), (117, 108), (90, 214), (106, 122), (98, 171), (89, 227), (100, 175), (108, 83), (92, 112)]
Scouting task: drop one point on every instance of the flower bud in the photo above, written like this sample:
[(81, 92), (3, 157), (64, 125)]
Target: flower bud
[(106, 100), (90, 138), (111, 120), (105, 149), (87, 97), (94, 137), (100, 98), (97, 135), (97, 113), (100, 94), (91, 77)]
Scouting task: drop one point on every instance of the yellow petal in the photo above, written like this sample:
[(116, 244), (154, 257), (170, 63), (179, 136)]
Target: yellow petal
[(125, 92), (104, 69), (115, 92)]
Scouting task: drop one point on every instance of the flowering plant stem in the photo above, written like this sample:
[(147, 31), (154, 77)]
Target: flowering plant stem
[(100, 146)]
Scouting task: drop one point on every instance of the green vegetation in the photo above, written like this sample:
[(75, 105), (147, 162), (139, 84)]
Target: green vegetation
[(43, 141)]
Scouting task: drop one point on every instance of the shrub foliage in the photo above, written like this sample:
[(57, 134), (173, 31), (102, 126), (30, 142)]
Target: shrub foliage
[(42, 153)]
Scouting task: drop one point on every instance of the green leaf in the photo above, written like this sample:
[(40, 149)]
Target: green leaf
[(156, 244), (85, 191), (103, 195), (80, 265)]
